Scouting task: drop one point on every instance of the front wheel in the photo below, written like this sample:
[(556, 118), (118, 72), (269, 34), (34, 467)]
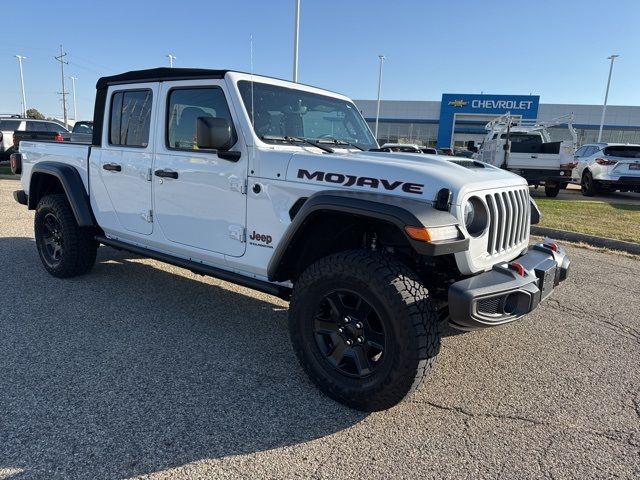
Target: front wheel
[(551, 190), (588, 185), (66, 249), (363, 328)]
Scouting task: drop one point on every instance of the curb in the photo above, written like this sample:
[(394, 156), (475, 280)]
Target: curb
[(9, 176), (601, 242)]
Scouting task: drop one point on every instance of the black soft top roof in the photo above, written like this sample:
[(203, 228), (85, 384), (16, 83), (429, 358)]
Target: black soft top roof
[(159, 74)]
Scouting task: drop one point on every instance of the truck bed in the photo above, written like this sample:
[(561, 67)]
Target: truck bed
[(75, 154)]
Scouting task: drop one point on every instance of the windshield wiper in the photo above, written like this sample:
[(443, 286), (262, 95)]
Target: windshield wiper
[(294, 140), (342, 142)]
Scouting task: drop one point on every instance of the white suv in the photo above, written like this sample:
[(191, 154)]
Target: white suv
[(607, 167)]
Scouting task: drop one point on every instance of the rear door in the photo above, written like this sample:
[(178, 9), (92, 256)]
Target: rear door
[(126, 156), (199, 197)]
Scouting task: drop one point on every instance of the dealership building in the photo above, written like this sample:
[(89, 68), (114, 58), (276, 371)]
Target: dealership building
[(459, 118)]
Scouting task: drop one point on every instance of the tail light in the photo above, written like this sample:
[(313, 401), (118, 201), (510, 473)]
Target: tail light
[(605, 161), (58, 138), (14, 140), (568, 166)]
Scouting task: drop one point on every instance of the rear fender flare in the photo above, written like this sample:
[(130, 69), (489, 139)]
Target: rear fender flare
[(72, 186)]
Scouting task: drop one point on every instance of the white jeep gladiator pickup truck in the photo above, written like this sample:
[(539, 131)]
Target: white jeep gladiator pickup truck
[(270, 184)]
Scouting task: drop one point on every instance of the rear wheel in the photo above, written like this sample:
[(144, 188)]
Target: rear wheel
[(364, 328), (551, 189), (66, 250), (588, 185)]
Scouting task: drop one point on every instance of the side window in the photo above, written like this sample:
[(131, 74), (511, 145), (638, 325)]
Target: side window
[(53, 127), (36, 126), (185, 106), (580, 151), (590, 151), (130, 118)]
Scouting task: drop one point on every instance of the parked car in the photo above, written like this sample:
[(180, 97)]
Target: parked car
[(239, 177), (607, 167), (400, 147), (463, 152), (446, 151), (83, 127), (429, 150), (82, 132), (27, 128)]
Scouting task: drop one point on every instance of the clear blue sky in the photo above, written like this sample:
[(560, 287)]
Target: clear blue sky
[(556, 49)]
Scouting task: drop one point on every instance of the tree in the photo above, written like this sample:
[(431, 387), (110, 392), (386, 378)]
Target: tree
[(33, 113)]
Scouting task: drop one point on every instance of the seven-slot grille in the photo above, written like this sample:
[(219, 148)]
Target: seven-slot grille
[(509, 219)]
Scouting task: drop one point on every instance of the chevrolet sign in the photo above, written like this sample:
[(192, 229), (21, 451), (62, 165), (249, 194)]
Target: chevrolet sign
[(503, 104), (458, 103)]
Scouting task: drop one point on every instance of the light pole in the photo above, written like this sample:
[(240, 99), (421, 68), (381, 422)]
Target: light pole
[(382, 58), (73, 88), (606, 95), (24, 100), (296, 34), (171, 58)]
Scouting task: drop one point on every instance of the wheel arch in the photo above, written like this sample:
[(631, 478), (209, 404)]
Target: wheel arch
[(333, 221), (53, 177)]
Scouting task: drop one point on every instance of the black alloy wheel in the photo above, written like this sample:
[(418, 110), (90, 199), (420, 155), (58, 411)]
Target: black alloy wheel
[(53, 243), (349, 333)]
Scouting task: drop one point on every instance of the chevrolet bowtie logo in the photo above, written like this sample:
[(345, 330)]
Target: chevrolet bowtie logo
[(458, 103)]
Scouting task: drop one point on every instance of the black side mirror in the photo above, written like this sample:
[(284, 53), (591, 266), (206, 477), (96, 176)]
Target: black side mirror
[(214, 133)]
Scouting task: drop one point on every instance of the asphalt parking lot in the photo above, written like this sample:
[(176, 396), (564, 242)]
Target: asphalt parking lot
[(144, 369)]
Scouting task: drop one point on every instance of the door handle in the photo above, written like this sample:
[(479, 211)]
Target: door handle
[(112, 167), (166, 174)]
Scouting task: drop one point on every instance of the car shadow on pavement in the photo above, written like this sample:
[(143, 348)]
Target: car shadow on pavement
[(133, 369)]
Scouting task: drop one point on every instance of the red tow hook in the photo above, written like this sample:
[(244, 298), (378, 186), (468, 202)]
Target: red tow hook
[(518, 268), (551, 245)]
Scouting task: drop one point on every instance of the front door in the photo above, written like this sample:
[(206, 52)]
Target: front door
[(125, 159), (199, 198)]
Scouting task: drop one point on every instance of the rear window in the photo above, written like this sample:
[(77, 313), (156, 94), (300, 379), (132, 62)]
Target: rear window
[(522, 138), (9, 125), (130, 118), (623, 151)]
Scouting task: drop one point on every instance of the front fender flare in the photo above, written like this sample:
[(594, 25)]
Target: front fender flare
[(398, 211)]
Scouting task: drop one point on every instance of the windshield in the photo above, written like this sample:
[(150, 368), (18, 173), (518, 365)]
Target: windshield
[(288, 112)]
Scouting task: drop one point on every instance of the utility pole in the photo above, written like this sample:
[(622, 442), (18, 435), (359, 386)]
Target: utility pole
[(73, 89), (382, 58), (64, 92), (24, 100), (171, 58), (606, 95), (296, 34)]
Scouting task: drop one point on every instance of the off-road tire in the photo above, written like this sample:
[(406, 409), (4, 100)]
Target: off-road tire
[(551, 190), (405, 308), (588, 185), (78, 246)]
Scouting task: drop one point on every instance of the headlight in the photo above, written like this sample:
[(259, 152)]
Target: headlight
[(476, 218), (469, 214)]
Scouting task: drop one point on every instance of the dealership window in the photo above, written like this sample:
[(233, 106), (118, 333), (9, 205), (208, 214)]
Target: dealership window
[(130, 118)]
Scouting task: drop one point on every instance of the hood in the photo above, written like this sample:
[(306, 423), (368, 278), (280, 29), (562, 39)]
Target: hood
[(410, 175)]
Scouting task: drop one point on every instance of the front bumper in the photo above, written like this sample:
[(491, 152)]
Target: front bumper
[(509, 290)]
